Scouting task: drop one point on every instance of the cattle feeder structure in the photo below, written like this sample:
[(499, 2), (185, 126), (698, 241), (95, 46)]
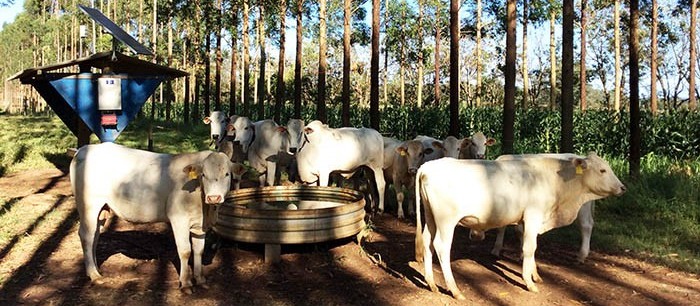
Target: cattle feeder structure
[(277, 215), (108, 89)]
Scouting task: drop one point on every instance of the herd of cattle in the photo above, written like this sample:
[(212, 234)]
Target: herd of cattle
[(452, 183)]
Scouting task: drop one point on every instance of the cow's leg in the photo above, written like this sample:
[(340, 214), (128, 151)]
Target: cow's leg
[(89, 235), (198, 242), (585, 223), (428, 235), (411, 199), (181, 232), (531, 228), (271, 173), (498, 245), (443, 245), (398, 188), (381, 184)]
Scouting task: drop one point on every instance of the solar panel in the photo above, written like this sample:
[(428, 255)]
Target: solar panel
[(116, 31)]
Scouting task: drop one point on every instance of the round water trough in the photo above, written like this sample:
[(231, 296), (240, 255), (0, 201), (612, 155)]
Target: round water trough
[(277, 215)]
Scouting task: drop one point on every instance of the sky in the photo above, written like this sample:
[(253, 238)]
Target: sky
[(8, 14)]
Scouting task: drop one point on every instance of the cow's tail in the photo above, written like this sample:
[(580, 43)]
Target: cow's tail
[(420, 250)]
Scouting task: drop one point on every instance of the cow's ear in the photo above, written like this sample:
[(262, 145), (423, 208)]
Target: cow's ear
[(401, 150), (230, 128), (439, 145), (238, 169), (192, 171), (428, 151), (580, 164), (281, 129), (465, 143), (490, 142), (308, 130), (206, 120)]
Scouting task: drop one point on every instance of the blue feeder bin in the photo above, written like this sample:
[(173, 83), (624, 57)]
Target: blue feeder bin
[(104, 102)]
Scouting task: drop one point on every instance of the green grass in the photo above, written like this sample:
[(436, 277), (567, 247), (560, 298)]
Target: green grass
[(658, 219)]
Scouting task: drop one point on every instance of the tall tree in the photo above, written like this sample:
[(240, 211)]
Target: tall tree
[(454, 68), (345, 111), (322, 63), (219, 58), (419, 89), (374, 69), (692, 104), (552, 57), (654, 56), (263, 60), (298, 62), (246, 58), (509, 89), (524, 70), (436, 61), (478, 53), (618, 69), (566, 144), (635, 133), (232, 107), (582, 69), (281, 99)]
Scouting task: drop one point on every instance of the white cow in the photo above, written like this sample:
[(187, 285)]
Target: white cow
[(217, 122), (265, 143), (584, 218), (439, 150), (144, 187), (401, 162), (324, 150), (475, 147), (542, 193)]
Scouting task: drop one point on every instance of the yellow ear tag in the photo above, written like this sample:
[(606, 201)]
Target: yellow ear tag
[(403, 153), (192, 174), (579, 169)]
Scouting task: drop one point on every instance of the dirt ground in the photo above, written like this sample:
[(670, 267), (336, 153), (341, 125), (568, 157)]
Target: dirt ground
[(43, 264)]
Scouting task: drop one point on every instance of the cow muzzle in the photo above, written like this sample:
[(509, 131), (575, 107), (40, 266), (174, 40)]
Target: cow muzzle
[(412, 171), (214, 199), (481, 156), (215, 136), (293, 150)]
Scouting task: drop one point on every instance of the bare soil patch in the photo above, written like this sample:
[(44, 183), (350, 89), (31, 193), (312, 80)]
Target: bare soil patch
[(43, 264)]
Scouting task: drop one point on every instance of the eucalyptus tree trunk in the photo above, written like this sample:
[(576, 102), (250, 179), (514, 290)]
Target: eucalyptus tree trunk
[(553, 62), (280, 100), (246, 59), (402, 59), (635, 132), (523, 66), (582, 69), (478, 53), (618, 70), (566, 144), (419, 89), (436, 80), (322, 64), (374, 69), (654, 56), (219, 58), (509, 90), (386, 54), (345, 111), (263, 62), (692, 103), (298, 62), (454, 68), (234, 65)]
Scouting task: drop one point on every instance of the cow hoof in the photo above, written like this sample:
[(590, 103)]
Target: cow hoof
[(97, 281), (433, 288), (203, 285), (533, 288), (459, 297), (186, 290)]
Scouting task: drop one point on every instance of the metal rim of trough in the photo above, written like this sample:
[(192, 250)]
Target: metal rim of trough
[(273, 227)]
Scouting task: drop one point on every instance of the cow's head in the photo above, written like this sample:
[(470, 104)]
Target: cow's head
[(597, 175), (244, 129), (452, 146), (475, 147), (294, 128), (414, 154), (215, 174), (309, 132), (217, 122)]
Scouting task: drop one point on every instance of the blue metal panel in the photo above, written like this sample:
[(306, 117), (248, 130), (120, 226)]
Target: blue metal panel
[(79, 92)]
